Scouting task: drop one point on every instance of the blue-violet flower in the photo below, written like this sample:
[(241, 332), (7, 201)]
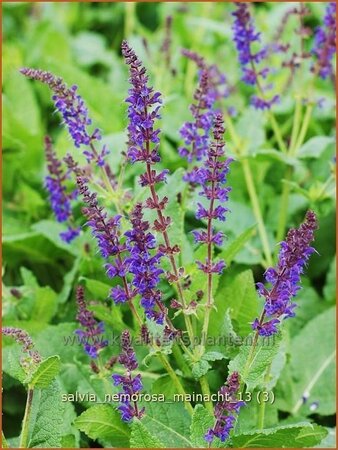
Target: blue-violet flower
[(92, 334), (285, 277), (325, 43), (212, 178), (226, 410), (130, 385)]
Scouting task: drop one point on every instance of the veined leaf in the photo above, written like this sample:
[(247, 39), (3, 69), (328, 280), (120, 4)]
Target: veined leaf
[(141, 438), (289, 436), (47, 410), (202, 420), (45, 373), (169, 422), (104, 422), (311, 369)]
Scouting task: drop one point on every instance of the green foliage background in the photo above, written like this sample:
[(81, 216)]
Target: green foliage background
[(81, 43)]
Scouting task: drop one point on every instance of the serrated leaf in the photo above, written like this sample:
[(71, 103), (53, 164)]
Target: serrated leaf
[(289, 436), (202, 420), (47, 411), (104, 422), (141, 438), (311, 369), (169, 422), (45, 373), (252, 366)]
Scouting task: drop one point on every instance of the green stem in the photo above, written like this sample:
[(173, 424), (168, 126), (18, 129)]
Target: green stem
[(292, 152), (261, 416), (257, 211), (206, 393), (176, 381), (129, 19), (26, 419), (251, 190), (283, 206), (277, 132), (305, 126), (180, 360), (196, 38), (296, 124), (262, 405)]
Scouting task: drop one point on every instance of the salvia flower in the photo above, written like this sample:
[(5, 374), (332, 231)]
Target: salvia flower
[(196, 133), (284, 279), (130, 385), (144, 264), (91, 333), (143, 110), (31, 357), (143, 144), (226, 410), (325, 43), (106, 232), (245, 36), (212, 177), (60, 199), (74, 112)]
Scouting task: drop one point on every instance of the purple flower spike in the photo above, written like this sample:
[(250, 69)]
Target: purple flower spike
[(325, 43), (285, 277), (106, 232), (144, 264), (212, 178), (245, 35), (143, 110), (226, 410), (130, 385), (92, 334), (60, 199), (31, 358), (74, 113), (196, 133)]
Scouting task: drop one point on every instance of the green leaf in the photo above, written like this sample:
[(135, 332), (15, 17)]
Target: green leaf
[(330, 284), (97, 288), (45, 373), (240, 296), (11, 362), (47, 411), (252, 365), (315, 146), (236, 245), (289, 436), (169, 422), (272, 155), (200, 368), (141, 438), (104, 422), (201, 421), (311, 369), (213, 356)]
